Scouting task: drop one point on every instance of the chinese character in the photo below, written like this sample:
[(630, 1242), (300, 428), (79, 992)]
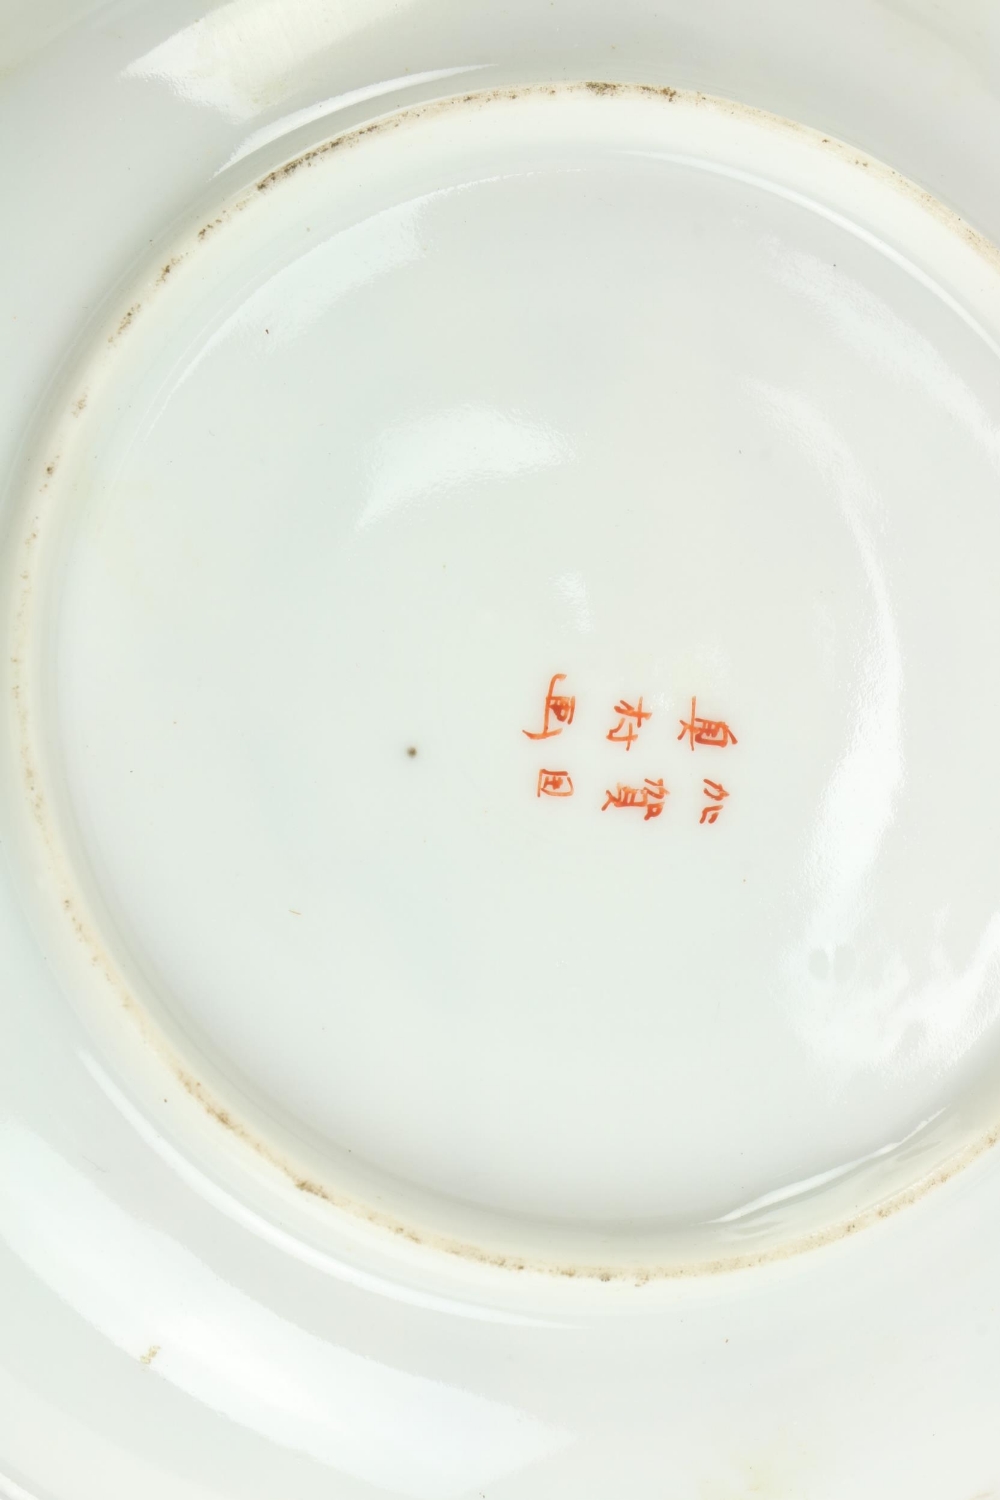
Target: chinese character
[(649, 796), (556, 707), (628, 717), (706, 731), (715, 791), (554, 784)]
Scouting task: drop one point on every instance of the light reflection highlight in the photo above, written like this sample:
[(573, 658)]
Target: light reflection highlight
[(429, 455), (141, 1289), (245, 57)]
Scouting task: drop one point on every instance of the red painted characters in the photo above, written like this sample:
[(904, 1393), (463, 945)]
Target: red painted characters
[(648, 796), (714, 791), (651, 797), (554, 784), (630, 721), (557, 707), (706, 731)]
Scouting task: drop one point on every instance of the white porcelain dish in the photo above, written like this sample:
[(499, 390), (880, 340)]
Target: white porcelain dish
[(500, 895)]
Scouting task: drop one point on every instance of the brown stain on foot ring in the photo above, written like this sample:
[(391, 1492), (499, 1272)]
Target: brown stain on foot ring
[(126, 322)]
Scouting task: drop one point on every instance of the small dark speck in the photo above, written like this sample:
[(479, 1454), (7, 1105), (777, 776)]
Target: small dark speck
[(411, 751)]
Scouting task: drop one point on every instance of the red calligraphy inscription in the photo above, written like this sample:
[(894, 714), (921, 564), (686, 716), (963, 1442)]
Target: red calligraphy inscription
[(554, 784), (715, 791), (557, 707), (706, 731), (630, 721), (651, 797)]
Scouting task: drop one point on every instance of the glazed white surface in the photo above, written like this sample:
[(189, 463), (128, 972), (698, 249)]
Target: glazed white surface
[(175, 1318)]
